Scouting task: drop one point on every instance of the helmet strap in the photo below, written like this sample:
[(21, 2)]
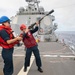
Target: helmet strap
[(3, 24)]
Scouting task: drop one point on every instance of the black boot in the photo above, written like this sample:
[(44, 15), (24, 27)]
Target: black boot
[(40, 70), (25, 69)]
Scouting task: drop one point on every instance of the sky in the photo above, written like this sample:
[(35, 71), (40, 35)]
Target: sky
[(64, 11)]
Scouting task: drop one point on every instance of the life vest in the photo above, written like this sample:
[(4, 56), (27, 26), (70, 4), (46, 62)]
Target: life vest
[(29, 40), (3, 43)]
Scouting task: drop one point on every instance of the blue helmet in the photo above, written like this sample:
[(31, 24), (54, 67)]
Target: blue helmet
[(4, 19)]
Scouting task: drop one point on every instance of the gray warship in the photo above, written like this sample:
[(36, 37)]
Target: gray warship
[(58, 58), (31, 14)]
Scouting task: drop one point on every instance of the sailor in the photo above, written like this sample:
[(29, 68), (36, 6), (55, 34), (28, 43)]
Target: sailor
[(7, 42), (31, 45)]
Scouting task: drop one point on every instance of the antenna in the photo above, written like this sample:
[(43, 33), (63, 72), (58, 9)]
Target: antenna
[(30, 0)]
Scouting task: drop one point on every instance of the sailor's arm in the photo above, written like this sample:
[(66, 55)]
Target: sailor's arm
[(14, 40), (36, 28), (6, 37)]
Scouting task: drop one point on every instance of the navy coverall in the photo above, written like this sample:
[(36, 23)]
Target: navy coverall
[(7, 55), (35, 51)]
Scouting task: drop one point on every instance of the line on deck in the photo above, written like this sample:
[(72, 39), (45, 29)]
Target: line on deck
[(65, 56), (25, 73), (48, 55)]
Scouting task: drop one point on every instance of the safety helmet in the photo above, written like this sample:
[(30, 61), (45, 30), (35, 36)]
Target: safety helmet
[(4, 19), (23, 26)]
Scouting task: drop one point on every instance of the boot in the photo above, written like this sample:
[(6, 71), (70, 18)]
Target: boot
[(25, 69), (40, 70)]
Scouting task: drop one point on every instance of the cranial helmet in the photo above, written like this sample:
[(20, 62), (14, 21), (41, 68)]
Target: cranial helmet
[(23, 26), (4, 19)]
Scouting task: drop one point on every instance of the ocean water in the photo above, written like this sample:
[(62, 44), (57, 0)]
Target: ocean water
[(68, 37)]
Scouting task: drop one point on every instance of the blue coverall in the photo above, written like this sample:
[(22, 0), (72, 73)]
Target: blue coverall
[(7, 55), (35, 51)]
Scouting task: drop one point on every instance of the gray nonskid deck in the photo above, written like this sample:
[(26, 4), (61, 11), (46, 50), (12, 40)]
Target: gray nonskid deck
[(56, 60)]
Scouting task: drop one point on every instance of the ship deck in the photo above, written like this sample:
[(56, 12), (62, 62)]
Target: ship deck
[(57, 59)]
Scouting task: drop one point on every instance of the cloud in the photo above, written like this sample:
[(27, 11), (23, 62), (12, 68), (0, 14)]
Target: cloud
[(10, 7), (2, 10), (64, 10)]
